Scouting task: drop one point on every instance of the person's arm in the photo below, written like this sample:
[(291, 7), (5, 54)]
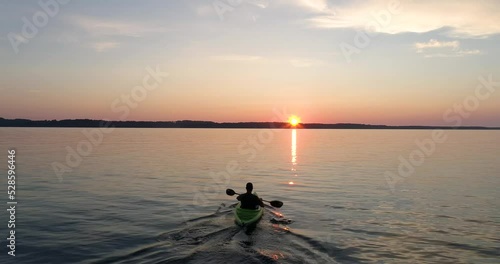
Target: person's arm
[(260, 201), (238, 198)]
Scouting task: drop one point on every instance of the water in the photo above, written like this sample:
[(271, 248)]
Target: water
[(157, 196)]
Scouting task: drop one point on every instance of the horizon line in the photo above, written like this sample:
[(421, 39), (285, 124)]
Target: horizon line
[(284, 124)]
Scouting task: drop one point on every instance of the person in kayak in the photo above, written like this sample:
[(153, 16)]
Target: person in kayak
[(249, 200)]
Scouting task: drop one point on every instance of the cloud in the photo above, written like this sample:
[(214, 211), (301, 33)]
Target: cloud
[(104, 46), (235, 57), (311, 5), (103, 27), (464, 19), (460, 53), (469, 52), (433, 44), (434, 48), (103, 34)]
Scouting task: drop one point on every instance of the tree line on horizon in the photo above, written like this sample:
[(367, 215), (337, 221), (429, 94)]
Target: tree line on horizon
[(202, 124)]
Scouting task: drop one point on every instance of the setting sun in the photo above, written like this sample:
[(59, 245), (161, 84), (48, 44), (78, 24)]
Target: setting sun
[(294, 120)]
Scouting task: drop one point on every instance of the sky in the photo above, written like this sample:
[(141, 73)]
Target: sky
[(374, 62)]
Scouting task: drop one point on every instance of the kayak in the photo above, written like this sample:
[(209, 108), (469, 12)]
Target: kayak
[(243, 217)]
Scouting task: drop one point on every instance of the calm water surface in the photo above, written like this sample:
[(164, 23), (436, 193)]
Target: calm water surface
[(157, 196)]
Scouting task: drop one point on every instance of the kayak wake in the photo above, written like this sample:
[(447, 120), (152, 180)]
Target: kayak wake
[(215, 238)]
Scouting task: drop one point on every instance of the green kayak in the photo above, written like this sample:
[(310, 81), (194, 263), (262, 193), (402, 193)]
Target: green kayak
[(244, 217)]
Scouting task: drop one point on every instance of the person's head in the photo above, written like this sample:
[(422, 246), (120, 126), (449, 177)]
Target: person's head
[(249, 187)]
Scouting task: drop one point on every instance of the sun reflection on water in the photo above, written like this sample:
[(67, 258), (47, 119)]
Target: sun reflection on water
[(294, 148), (294, 155)]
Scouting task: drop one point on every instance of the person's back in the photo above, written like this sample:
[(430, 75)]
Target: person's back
[(249, 200)]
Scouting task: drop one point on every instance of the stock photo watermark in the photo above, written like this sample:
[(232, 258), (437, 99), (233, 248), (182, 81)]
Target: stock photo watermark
[(455, 116), (12, 201), (39, 20), (95, 136), (363, 38)]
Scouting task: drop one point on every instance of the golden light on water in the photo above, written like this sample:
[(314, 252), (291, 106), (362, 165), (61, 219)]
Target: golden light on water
[(294, 154), (294, 148)]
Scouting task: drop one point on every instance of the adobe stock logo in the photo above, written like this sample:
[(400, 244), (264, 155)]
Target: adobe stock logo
[(425, 148), (40, 19), (381, 20), (122, 105)]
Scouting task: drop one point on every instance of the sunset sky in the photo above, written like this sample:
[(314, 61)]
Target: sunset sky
[(410, 61)]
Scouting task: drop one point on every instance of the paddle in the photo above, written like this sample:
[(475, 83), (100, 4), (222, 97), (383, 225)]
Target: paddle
[(277, 204)]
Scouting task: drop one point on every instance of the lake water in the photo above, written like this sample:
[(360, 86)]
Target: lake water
[(158, 196)]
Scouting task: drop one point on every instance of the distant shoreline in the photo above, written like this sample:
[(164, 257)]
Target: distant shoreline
[(84, 123)]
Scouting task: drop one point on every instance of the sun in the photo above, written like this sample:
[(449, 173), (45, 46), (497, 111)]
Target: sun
[(294, 120)]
